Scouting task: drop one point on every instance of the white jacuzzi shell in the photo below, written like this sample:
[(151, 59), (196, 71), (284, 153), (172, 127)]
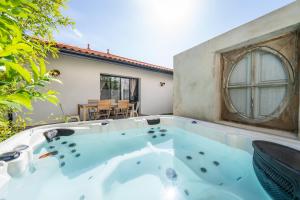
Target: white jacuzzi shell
[(234, 137)]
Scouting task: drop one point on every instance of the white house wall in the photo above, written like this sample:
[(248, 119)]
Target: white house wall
[(81, 81)]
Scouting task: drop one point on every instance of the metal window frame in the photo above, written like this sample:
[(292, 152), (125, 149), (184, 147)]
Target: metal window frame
[(120, 82)]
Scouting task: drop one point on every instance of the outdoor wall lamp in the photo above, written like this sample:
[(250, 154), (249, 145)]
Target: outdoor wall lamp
[(54, 73)]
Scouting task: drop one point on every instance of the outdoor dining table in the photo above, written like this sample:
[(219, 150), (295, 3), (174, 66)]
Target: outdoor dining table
[(85, 107)]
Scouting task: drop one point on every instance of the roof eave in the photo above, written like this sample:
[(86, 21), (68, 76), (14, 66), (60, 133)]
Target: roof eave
[(72, 52)]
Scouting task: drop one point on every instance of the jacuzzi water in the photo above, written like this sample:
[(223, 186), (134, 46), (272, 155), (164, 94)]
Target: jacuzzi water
[(149, 163)]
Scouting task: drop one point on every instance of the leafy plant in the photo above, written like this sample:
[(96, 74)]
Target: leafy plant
[(26, 39)]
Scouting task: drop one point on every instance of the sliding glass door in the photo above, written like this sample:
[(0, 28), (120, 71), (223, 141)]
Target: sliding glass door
[(118, 88), (125, 88)]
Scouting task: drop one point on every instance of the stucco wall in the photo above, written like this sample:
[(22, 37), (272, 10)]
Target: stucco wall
[(197, 73), (81, 81)]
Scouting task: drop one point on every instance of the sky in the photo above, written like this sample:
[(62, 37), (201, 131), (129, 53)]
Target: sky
[(154, 31)]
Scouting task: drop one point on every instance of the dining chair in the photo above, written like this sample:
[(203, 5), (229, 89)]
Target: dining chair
[(122, 108), (113, 101), (103, 109), (134, 111), (113, 105)]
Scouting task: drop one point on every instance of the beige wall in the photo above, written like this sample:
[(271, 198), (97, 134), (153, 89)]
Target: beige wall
[(197, 70), (81, 81)]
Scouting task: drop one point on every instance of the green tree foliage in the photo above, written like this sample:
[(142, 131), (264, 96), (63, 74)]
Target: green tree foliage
[(26, 39)]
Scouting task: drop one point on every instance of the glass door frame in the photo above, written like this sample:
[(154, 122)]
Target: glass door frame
[(120, 82)]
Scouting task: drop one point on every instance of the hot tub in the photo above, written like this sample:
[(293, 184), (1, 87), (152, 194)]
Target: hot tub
[(173, 158)]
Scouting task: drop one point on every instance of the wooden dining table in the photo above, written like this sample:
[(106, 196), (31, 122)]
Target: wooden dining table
[(84, 108)]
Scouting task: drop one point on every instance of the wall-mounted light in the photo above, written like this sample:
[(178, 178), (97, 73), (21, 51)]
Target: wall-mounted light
[(54, 73), (162, 84)]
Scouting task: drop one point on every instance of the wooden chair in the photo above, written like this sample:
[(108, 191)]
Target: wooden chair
[(112, 110), (103, 110), (92, 111), (134, 111), (113, 101), (122, 108)]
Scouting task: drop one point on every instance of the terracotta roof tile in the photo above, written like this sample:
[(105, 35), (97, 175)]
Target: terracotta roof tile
[(112, 57)]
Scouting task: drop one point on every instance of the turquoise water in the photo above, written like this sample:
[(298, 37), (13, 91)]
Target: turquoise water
[(169, 164)]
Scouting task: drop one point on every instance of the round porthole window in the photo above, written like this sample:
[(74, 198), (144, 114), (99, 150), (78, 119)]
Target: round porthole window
[(258, 84)]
